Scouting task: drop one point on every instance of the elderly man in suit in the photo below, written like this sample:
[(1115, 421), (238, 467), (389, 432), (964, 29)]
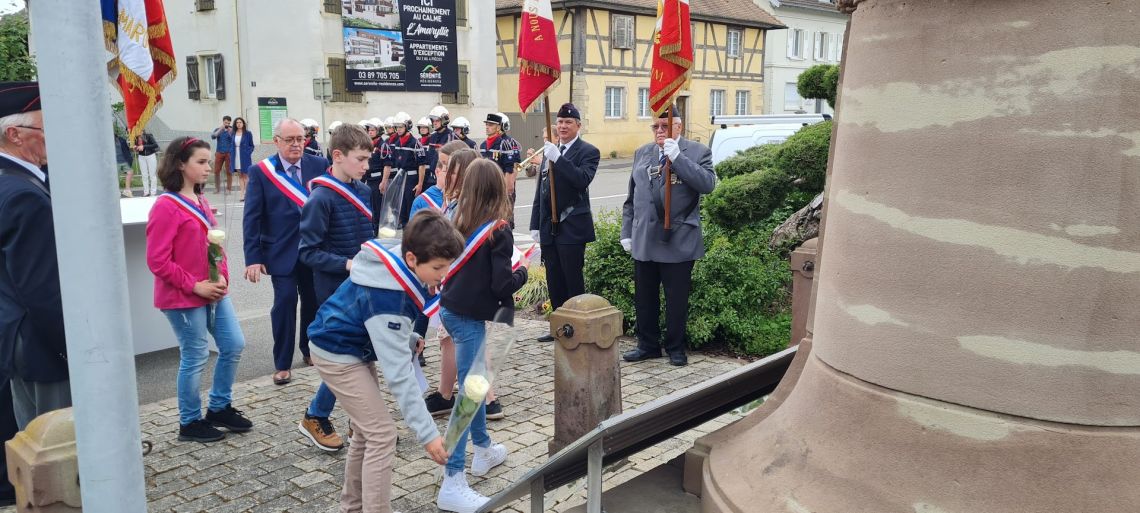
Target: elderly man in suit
[(278, 188), (661, 259), (563, 244)]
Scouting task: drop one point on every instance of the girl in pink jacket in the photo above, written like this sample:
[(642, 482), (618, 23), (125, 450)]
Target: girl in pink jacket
[(178, 235)]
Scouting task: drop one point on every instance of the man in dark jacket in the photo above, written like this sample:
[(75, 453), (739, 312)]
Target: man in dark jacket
[(33, 349), (575, 163)]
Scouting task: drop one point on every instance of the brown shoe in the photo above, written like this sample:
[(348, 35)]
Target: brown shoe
[(282, 377), (321, 432)]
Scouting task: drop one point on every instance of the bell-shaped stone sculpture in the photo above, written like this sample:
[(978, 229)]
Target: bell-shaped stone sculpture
[(977, 305)]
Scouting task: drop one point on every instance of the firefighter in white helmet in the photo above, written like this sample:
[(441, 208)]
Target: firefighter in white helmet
[(404, 154), (462, 128)]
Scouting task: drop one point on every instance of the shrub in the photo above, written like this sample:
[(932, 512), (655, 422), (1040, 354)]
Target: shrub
[(819, 82), (534, 292), (753, 159), (609, 269), (746, 199), (804, 156)]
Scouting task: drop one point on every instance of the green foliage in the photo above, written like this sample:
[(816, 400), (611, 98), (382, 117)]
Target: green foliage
[(15, 62), (804, 156), (609, 269), (753, 159), (745, 199), (819, 82), (534, 293)]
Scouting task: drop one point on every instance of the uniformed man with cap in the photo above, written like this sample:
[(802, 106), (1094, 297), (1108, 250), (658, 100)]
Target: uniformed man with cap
[(32, 340), (502, 149), (660, 259), (312, 129), (563, 245)]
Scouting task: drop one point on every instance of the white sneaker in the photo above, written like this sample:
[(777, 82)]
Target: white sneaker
[(455, 495), (487, 459)]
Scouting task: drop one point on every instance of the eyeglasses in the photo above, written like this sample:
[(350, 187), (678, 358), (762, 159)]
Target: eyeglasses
[(40, 128), (292, 140), (660, 126)]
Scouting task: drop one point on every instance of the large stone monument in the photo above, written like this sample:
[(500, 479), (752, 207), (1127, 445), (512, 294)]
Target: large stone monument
[(977, 305)]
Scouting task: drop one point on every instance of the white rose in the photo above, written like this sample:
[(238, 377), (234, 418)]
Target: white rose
[(387, 233), (476, 387), (216, 236)]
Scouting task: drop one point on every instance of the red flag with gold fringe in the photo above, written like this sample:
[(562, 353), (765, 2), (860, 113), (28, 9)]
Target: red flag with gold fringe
[(672, 53), (539, 64), (142, 56)]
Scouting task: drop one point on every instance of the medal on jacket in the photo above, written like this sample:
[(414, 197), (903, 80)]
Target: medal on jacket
[(291, 189), (340, 188), (405, 277), (186, 206)]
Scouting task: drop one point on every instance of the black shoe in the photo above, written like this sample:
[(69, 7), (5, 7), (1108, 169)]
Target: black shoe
[(438, 406), (637, 355), (678, 360), (230, 419), (199, 431), (495, 410), (546, 338)]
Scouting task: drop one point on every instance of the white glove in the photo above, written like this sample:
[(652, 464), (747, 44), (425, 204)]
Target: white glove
[(627, 245), (534, 235), (671, 149), (550, 151)]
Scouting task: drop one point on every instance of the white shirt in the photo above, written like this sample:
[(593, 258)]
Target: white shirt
[(27, 165), (566, 146)]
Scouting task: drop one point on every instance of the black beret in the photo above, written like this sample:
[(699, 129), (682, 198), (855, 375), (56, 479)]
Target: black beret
[(568, 110), (19, 97), (673, 109)]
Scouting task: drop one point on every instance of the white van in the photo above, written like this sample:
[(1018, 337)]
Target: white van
[(737, 133)]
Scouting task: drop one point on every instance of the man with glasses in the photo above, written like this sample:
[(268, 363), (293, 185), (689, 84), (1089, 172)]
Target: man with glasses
[(661, 259), (563, 245), (278, 188)]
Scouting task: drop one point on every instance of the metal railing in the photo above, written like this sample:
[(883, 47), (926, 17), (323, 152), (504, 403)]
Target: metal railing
[(626, 434)]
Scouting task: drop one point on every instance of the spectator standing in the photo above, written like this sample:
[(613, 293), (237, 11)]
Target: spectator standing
[(147, 149), (243, 157), (224, 152)]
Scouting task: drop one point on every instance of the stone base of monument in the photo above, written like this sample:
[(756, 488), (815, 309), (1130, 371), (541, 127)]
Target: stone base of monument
[(655, 491)]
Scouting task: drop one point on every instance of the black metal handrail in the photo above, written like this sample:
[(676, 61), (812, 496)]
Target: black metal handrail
[(628, 433)]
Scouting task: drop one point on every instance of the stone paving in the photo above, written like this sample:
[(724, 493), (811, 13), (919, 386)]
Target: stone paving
[(273, 468)]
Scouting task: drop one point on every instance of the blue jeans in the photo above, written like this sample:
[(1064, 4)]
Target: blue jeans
[(468, 335), (322, 403), (191, 326)]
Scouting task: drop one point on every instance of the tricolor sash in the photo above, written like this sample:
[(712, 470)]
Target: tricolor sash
[(404, 276), (431, 202), (290, 188), (190, 208), (342, 189), (474, 242)]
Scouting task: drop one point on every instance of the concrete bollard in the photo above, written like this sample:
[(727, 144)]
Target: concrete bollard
[(43, 465), (587, 377), (803, 272)]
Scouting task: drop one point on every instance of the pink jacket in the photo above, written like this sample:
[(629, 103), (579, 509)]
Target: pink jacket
[(176, 254)]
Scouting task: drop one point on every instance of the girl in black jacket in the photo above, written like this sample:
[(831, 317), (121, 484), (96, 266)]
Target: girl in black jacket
[(480, 282)]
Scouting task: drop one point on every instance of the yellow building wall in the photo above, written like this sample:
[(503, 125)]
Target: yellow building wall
[(603, 67)]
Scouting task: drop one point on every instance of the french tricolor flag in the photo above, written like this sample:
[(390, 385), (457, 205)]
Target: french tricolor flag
[(539, 64)]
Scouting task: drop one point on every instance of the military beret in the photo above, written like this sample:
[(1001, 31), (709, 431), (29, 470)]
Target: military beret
[(19, 97), (568, 110), (673, 109)]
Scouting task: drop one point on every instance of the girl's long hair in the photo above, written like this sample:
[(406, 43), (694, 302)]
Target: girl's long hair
[(455, 171), (484, 196), (177, 153)]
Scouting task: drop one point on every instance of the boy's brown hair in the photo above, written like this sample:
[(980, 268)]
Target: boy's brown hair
[(429, 235), (350, 137)]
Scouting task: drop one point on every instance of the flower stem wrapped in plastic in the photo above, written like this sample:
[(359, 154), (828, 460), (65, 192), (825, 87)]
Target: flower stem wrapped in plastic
[(214, 252), (473, 391)]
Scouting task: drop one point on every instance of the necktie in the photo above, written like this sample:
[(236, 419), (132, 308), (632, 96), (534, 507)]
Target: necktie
[(662, 160), (562, 149), (295, 173)]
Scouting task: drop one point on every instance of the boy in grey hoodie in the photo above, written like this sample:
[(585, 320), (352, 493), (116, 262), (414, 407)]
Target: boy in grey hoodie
[(368, 320)]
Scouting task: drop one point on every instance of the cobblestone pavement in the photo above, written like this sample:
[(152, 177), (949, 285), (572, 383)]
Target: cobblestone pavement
[(273, 468)]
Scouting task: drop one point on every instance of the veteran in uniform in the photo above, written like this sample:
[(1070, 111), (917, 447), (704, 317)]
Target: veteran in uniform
[(661, 260)]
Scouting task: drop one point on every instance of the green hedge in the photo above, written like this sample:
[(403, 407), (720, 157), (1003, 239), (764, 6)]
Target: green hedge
[(747, 161), (819, 82), (804, 156), (746, 199)]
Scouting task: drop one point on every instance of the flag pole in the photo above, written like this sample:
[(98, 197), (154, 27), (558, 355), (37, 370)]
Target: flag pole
[(550, 168), (669, 179)]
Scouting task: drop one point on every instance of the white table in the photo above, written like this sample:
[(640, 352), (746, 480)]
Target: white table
[(149, 327)]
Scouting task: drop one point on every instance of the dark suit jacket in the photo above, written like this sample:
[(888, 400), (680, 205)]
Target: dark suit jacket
[(272, 221), (573, 173), (32, 342)]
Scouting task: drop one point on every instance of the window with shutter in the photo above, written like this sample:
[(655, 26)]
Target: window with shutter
[(340, 92), (219, 77), (796, 43), (463, 96), (820, 49), (204, 5), (621, 33), (332, 6), (192, 89), (461, 13)]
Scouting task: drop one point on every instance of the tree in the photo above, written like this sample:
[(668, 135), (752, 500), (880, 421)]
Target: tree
[(819, 82), (15, 62)]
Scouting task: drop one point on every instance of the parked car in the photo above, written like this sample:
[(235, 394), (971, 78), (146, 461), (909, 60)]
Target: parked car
[(738, 133)]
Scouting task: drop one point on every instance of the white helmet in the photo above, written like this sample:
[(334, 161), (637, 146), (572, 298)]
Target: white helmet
[(403, 118), (364, 124), (462, 123), (440, 112), (390, 122), (376, 122), (334, 125), (309, 123), (506, 121), (424, 121)]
